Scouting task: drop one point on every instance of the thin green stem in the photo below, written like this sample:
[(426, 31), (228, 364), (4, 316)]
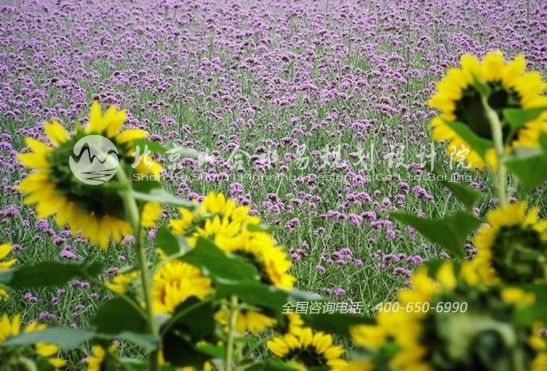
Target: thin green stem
[(233, 311), (133, 215), (238, 357), (502, 182), (497, 136)]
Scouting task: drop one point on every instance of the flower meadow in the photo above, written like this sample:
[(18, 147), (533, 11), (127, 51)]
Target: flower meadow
[(273, 185)]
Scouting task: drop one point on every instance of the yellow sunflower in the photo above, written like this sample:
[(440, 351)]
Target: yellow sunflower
[(5, 249), (247, 321), (96, 358), (403, 339), (272, 264), (121, 281), (458, 99), (404, 327), (260, 249), (400, 327), (11, 327), (227, 217), (423, 287), (512, 246), (229, 226), (293, 324), (537, 343), (232, 228), (308, 349), (175, 282), (93, 209), (517, 296), (95, 361), (219, 204)]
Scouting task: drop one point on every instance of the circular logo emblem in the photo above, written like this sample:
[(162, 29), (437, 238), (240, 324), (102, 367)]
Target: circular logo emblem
[(94, 160)]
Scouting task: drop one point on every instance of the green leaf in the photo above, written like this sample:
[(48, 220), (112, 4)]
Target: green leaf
[(536, 311), (47, 274), (43, 364), (135, 364), (114, 186), (478, 144), (260, 228), (518, 117), (145, 186), (254, 293), (195, 325), (146, 341), (217, 264), (338, 323), (118, 319), (296, 295), (162, 196), (530, 167), (181, 311), (149, 145), (69, 338), (450, 232), (215, 351), (197, 322), (128, 320), (467, 196), (66, 338), (180, 351), (168, 242)]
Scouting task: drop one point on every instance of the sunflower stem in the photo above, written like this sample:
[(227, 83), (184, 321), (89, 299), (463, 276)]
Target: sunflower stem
[(233, 311), (497, 136), (133, 215), (518, 359), (25, 364)]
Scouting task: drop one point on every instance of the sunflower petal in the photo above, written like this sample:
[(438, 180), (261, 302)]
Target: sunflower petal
[(37, 146), (32, 182), (49, 204), (5, 249), (95, 118), (33, 160), (115, 120), (56, 132), (131, 134)]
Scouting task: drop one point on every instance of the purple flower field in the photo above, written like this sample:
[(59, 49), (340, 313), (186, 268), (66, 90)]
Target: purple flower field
[(314, 113)]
